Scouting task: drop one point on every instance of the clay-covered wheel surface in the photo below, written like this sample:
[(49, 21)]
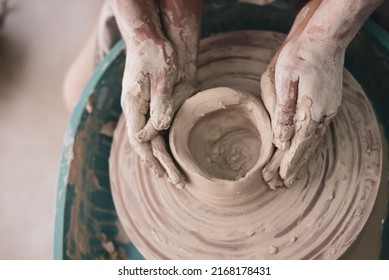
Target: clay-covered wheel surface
[(319, 217)]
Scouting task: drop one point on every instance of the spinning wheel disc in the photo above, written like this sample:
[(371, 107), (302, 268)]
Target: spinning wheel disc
[(317, 218)]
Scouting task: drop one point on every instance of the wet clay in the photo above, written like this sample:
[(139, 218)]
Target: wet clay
[(226, 152), (226, 211), (221, 138)]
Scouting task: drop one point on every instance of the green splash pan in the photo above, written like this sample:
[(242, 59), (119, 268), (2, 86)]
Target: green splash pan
[(85, 216)]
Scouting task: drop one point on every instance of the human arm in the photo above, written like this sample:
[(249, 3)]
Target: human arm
[(152, 74)]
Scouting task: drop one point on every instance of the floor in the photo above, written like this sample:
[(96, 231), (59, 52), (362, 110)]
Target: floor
[(38, 42)]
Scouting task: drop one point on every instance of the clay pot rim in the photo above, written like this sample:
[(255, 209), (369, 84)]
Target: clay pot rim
[(228, 97)]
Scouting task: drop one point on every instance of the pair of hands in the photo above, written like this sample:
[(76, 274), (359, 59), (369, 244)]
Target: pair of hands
[(301, 90)]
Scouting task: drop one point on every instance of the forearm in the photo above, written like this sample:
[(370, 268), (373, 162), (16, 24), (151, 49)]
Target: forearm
[(338, 21), (138, 20), (181, 21)]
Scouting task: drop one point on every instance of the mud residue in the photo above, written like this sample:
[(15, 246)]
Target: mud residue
[(319, 217)]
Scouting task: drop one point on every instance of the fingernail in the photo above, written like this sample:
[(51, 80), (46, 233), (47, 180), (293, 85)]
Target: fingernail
[(283, 171), (289, 182), (268, 173), (177, 179), (147, 133), (265, 174), (271, 185), (141, 136), (285, 168), (174, 178), (180, 185)]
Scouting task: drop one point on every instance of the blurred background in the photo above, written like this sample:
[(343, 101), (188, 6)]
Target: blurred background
[(38, 41)]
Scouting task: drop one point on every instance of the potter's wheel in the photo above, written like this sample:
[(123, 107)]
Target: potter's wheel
[(317, 218)]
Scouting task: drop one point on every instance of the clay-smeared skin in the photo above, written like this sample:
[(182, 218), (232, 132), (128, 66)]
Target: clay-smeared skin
[(159, 72), (301, 88), (317, 218)]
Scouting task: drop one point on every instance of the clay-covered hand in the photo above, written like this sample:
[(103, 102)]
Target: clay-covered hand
[(161, 41), (301, 90), (302, 87), (148, 81)]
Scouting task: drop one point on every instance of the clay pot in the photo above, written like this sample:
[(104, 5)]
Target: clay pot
[(221, 138)]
